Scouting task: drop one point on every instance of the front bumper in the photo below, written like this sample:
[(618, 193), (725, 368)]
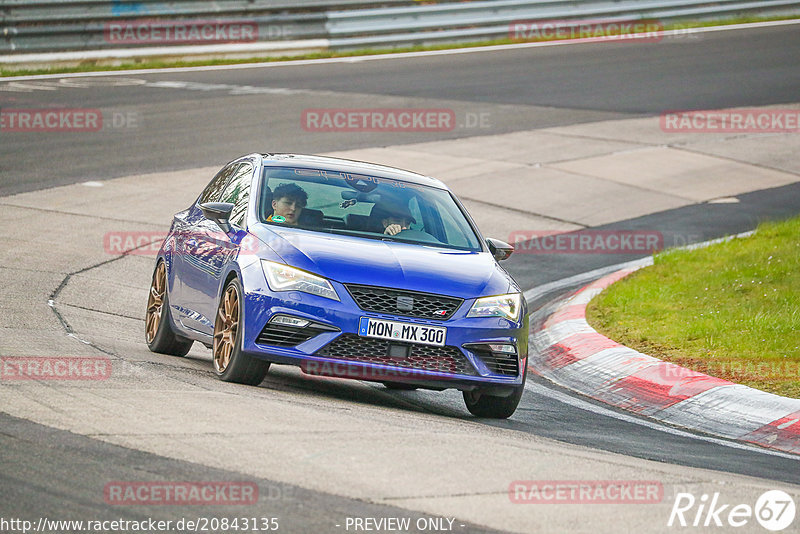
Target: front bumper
[(466, 342)]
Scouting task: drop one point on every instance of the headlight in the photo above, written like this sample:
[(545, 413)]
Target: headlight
[(281, 277), (507, 306)]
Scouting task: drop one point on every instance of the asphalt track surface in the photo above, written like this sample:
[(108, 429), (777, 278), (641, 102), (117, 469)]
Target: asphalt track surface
[(64, 496), (528, 88), (522, 89)]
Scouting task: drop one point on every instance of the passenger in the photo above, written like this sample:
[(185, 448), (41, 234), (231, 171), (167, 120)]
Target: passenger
[(288, 201)]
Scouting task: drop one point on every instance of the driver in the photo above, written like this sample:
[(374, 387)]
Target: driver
[(396, 218), (288, 201)]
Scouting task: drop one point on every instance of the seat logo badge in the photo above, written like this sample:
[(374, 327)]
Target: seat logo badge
[(405, 303)]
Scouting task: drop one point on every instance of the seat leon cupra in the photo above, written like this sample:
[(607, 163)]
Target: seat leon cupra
[(345, 269)]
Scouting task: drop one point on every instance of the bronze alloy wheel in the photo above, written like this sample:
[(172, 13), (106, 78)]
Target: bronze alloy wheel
[(158, 330), (225, 328), (155, 302), (231, 363)]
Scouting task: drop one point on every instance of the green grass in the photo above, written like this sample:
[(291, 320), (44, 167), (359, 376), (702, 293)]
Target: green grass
[(730, 310), (93, 66)]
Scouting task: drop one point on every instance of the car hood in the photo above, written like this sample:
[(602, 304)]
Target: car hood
[(356, 260)]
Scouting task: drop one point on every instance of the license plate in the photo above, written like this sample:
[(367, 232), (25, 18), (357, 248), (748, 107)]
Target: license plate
[(408, 332)]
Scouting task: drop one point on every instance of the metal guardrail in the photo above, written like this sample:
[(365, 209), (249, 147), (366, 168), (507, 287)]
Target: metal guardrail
[(93, 35), (53, 11), (65, 25), (30, 26), (482, 20)]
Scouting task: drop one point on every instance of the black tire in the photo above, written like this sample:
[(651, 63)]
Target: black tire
[(480, 404), (237, 366), (399, 386), (165, 340)]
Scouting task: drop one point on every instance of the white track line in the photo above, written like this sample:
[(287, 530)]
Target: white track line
[(404, 55), (589, 276), (577, 402)]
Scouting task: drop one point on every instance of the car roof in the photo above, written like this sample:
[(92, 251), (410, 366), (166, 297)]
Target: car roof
[(350, 166)]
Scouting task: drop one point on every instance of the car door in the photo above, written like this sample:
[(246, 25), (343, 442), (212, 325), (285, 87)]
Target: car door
[(192, 226), (208, 249)]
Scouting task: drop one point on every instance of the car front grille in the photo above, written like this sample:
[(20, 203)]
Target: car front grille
[(352, 347), (403, 302), (287, 336)]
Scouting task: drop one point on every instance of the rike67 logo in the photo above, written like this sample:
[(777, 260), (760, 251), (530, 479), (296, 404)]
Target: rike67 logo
[(774, 510)]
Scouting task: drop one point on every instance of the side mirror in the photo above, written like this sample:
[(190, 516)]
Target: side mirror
[(499, 249), (219, 212)]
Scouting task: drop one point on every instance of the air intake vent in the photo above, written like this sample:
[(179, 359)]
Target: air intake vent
[(498, 362), (352, 347), (290, 336)]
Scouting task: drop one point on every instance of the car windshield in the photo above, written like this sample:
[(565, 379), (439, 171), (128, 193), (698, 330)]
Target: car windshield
[(364, 206)]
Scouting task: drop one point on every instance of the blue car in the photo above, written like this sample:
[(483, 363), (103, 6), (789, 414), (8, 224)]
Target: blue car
[(346, 269)]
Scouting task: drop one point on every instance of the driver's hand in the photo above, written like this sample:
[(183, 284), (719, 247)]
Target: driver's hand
[(393, 229)]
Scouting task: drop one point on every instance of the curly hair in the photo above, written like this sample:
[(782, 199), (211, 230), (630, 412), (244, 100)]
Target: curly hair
[(291, 191)]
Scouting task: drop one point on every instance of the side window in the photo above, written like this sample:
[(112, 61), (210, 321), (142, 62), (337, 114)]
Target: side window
[(213, 190), (237, 193)]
